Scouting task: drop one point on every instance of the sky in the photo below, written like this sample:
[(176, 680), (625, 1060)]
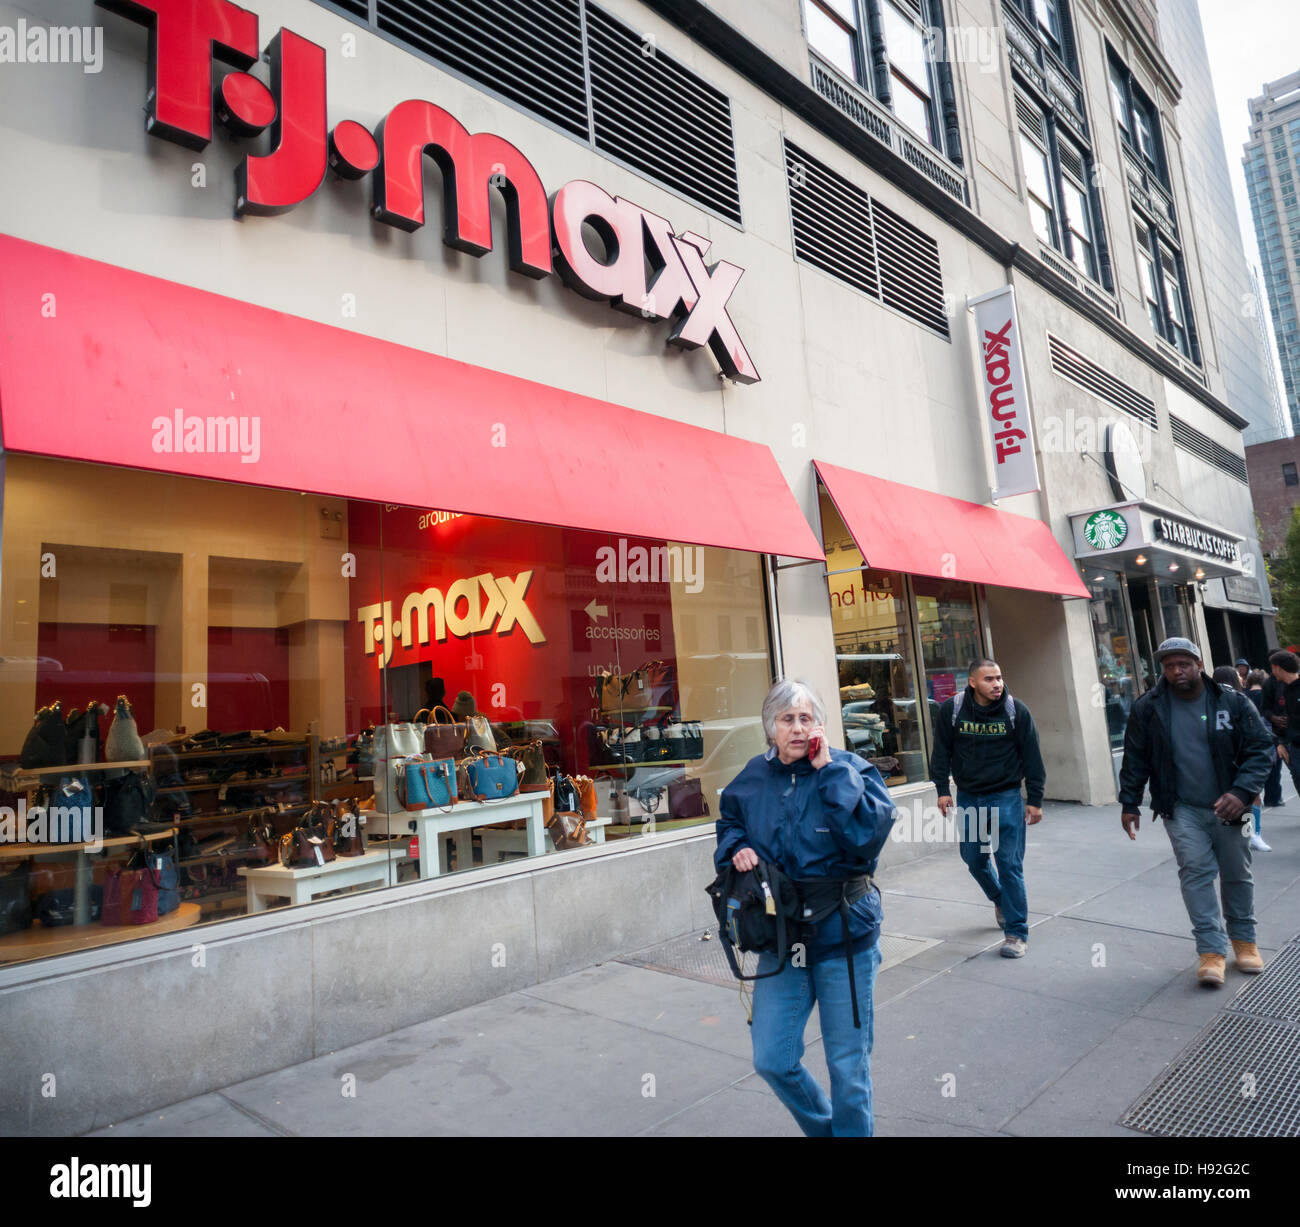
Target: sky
[(1249, 42)]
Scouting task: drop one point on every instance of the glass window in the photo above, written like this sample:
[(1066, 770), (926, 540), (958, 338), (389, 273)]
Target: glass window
[(832, 33), (1150, 285), (280, 654), (950, 639), (1079, 221), (1119, 98), (873, 651), (1038, 186), (1114, 654), (1289, 474), (908, 70), (1049, 20), (1174, 302)]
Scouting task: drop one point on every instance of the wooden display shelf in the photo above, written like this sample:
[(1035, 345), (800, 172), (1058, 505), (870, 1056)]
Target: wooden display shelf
[(202, 819), (11, 852), (38, 942), (274, 747), (13, 781), (654, 762), (203, 785)]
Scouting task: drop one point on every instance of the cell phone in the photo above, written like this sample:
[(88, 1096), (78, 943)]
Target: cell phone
[(814, 747)]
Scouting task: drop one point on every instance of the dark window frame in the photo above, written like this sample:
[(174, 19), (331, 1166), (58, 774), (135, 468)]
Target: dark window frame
[(1292, 478), (877, 75), (1049, 144), (1134, 103)]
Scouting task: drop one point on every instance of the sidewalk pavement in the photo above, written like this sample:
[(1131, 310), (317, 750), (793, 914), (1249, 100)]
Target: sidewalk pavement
[(966, 1043)]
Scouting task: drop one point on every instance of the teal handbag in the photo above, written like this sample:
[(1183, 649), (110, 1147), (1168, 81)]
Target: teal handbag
[(492, 777), (424, 784)]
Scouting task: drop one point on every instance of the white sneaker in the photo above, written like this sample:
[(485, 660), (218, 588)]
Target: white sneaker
[(1258, 844)]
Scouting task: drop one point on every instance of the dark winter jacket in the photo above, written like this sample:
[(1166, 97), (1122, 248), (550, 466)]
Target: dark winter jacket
[(985, 752), (810, 823), (1240, 745)]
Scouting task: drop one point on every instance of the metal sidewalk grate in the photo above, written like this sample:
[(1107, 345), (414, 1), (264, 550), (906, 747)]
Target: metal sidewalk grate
[(692, 958), (1276, 992), (1240, 1077)]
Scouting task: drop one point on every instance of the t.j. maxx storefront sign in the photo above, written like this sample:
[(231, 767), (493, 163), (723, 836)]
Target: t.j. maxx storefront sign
[(544, 236)]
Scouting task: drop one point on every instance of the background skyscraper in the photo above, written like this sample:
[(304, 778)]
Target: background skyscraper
[(1229, 288), (1270, 164)]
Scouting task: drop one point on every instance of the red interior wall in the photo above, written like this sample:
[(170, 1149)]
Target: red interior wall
[(98, 662), (248, 678)]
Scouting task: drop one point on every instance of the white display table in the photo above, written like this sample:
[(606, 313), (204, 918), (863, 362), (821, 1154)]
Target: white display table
[(377, 868), (460, 820)]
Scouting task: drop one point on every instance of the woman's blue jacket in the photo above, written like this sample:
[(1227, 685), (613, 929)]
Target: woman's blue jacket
[(810, 823)]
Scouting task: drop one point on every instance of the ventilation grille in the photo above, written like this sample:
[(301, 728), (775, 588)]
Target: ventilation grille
[(1072, 365), (1071, 161), (660, 118), (1030, 117), (1192, 440), (572, 64), (910, 278), (832, 222), (839, 229), (529, 51)]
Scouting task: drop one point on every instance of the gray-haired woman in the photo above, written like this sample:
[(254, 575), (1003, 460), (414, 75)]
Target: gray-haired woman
[(821, 816)]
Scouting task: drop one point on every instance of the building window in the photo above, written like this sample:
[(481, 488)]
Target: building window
[(1289, 474), (1050, 20), (1056, 177), (881, 46), (1137, 118), (1164, 286)]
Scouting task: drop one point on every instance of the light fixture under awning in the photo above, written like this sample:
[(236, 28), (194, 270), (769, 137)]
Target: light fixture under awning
[(903, 528), (103, 375)]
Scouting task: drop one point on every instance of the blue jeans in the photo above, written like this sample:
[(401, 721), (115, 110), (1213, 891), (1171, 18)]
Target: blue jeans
[(1205, 849), (1273, 785), (1006, 886), (782, 1005)]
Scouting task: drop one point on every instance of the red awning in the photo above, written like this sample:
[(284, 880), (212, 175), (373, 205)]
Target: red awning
[(902, 528), (96, 362)]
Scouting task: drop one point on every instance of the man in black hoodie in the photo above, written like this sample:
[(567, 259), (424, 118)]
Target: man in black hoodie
[(987, 740)]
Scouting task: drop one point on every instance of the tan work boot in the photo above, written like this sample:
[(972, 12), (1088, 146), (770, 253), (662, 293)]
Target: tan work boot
[(1247, 957), (1211, 969)]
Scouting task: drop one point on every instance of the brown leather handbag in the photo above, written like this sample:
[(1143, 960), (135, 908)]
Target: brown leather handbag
[(349, 838), (262, 837), (534, 778), (311, 842), (568, 831), (443, 736), (586, 795)]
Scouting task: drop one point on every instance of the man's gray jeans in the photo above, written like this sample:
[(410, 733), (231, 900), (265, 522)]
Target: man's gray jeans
[(1205, 848)]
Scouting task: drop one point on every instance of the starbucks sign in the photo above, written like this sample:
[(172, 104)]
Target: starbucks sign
[(1105, 530)]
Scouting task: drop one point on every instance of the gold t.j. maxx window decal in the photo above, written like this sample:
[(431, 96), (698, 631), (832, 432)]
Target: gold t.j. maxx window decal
[(180, 106)]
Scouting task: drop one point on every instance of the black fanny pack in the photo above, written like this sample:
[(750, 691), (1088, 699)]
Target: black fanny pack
[(762, 911)]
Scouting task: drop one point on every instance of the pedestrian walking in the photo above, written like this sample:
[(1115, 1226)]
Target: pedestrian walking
[(1242, 668), (1230, 679), (1255, 680), (1272, 706), (986, 740), (821, 816), (1204, 752)]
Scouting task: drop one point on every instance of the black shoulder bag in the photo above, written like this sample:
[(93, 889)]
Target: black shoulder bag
[(758, 912)]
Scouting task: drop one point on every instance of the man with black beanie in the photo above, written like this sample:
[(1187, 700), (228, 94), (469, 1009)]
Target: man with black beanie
[(987, 740)]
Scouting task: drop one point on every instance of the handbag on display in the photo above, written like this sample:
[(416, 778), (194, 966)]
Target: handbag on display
[(674, 739), (128, 801), (393, 743), (653, 746), (46, 743), (586, 795), (349, 835), (70, 813), (422, 784), (632, 745), (123, 742), (686, 799), (624, 694), (568, 797), (534, 778), (262, 837), (361, 754), (661, 682), (139, 899), (479, 737), (692, 739), (57, 907), (444, 737), (568, 831), (83, 734), (311, 842), (492, 777), (15, 902)]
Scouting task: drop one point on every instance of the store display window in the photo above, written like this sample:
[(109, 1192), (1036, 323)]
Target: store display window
[(238, 698), (873, 655)]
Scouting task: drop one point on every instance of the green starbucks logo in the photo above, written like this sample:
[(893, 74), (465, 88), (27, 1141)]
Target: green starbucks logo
[(1105, 530)]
